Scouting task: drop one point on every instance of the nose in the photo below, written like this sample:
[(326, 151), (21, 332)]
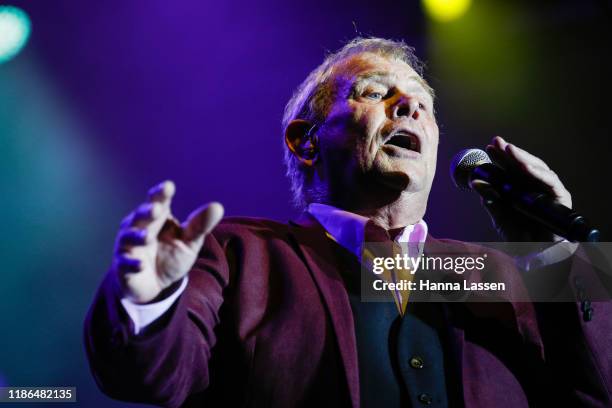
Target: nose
[(405, 107)]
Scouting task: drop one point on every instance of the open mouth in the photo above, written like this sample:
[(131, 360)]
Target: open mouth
[(405, 140)]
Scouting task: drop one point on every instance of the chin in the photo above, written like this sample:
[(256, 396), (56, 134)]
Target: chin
[(394, 176), (396, 180), (407, 177)]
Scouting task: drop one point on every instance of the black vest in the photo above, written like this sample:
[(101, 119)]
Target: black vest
[(401, 359)]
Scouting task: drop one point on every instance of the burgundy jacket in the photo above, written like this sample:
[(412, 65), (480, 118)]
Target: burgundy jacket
[(266, 321)]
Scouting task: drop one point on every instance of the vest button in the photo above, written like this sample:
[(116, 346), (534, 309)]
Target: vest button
[(416, 362), (425, 399)]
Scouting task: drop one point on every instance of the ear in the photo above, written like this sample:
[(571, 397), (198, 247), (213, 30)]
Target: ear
[(301, 139)]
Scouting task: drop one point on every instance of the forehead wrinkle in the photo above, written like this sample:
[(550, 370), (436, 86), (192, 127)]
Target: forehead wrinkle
[(346, 78), (361, 80), (385, 78)]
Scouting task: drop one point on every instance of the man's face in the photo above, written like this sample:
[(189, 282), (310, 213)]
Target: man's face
[(380, 127)]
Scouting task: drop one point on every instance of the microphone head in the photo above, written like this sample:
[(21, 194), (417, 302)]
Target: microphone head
[(463, 163)]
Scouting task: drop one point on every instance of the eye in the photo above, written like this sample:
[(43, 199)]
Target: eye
[(374, 95), (422, 106)]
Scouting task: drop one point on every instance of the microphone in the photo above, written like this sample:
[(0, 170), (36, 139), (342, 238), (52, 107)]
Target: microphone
[(526, 198)]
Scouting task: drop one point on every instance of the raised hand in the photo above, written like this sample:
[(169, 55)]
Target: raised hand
[(153, 250), (510, 225)]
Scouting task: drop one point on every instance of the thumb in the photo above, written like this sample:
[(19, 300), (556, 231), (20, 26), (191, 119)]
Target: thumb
[(485, 190), (490, 200), (201, 222)]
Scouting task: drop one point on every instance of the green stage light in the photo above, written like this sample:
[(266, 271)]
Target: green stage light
[(446, 10), (14, 31)]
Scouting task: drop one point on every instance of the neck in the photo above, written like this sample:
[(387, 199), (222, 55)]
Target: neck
[(386, 210), (408, 209)]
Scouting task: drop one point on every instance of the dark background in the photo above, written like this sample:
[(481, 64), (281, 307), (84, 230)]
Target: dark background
[(109, 98)]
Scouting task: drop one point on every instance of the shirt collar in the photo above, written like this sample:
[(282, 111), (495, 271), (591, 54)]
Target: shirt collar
[(347, 228)]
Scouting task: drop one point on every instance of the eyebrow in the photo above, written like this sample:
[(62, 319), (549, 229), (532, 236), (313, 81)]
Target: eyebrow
[(382, 76)]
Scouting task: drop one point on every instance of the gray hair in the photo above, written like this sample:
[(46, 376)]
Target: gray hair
[(314, 96)]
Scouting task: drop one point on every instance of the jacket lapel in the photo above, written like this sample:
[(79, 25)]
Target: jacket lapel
[(516, 315), (320, 260)]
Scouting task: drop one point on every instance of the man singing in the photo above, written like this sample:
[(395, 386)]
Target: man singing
[(252, 312)]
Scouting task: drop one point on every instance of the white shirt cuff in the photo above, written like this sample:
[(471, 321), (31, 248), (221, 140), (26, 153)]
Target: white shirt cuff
[(144, 315), (558, 252)]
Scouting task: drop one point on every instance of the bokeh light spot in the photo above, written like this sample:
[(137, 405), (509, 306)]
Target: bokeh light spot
[(14, 31), (446, 10)]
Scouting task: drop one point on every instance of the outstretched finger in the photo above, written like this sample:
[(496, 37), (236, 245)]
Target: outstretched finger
[(162, 193), (126, 264), (201, 222), (144, 215), (131, 237)]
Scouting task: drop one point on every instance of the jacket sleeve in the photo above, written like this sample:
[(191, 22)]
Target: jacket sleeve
[(168, 361), (578, 343)]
